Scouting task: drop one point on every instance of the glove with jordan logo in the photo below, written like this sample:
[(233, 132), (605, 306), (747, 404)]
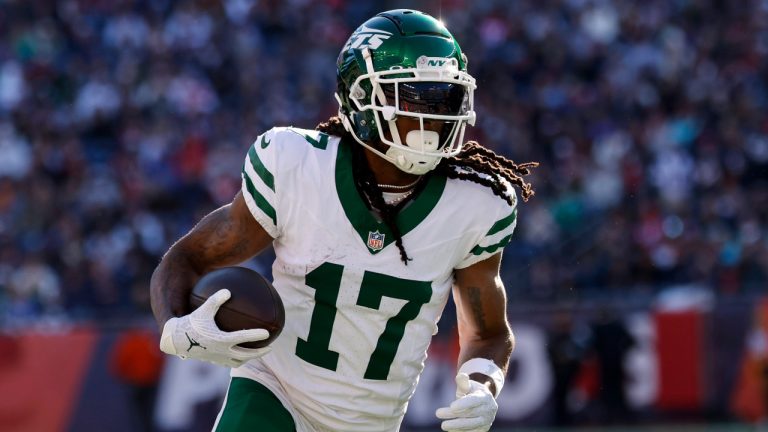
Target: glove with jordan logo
[(475, 406), (197, 336)]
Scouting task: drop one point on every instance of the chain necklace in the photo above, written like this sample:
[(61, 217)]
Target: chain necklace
[(396, 187), (397, 200)]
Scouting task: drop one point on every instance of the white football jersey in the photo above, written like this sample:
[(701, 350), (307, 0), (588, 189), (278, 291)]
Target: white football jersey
[(358, 321)]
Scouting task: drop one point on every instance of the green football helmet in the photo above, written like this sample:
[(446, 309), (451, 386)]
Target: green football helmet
[(405, 63)]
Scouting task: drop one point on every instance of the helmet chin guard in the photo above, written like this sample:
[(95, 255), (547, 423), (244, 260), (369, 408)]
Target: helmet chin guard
[(412, 163)]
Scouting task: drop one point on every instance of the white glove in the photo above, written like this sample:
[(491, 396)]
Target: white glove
[(197, 336), (473, 410)]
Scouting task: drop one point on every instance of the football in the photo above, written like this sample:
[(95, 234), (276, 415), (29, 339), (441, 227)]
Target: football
[(254, 302)]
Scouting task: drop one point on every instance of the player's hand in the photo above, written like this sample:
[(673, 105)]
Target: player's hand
[(197, 336), (473, 410)]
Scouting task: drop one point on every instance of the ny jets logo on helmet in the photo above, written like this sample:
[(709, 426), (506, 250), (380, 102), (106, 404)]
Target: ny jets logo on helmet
[(405, 63), (365, 37)]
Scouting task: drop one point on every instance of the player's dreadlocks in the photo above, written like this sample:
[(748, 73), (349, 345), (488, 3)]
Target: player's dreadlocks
[(474, 163)]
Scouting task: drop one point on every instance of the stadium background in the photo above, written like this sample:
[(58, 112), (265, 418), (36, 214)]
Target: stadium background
[(123, 122)]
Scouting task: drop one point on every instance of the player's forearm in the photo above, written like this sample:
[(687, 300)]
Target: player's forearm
[(496, 347), (170, 286), (227, 236)]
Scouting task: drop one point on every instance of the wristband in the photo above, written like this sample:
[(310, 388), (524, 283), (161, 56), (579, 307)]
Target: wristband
[(487, 368)]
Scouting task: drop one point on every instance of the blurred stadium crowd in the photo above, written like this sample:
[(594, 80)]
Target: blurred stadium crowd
[(123, 122)]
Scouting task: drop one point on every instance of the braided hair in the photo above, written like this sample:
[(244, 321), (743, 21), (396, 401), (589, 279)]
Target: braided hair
[(474, 163)]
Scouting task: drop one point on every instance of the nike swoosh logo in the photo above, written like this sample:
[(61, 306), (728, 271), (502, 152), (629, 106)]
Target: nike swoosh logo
[(264, 142)]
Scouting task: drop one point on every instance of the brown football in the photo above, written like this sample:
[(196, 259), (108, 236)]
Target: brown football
[(254, 302)]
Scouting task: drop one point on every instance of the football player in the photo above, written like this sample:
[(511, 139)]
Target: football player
[(376, 217)]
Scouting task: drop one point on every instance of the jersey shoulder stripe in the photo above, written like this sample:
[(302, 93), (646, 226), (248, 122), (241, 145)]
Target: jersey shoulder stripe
[(258, 199), (259, 168), (259, 186), (254, 165), (503, 223), (273, 156), (506, 227), (500, 225)]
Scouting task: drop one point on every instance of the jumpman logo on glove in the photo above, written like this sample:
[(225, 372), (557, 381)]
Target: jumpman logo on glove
[(193, 343)]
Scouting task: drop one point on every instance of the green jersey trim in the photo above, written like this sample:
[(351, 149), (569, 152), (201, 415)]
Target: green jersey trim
[(259, 167), (478, 250), (259, 199), (502, 224), (367, 226)]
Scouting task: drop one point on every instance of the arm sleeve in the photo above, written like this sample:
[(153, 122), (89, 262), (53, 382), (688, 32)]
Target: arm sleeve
[(498, 235), (259, 188)]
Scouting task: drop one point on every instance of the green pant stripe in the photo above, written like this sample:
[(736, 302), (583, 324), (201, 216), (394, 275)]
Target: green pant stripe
[(251, 407)]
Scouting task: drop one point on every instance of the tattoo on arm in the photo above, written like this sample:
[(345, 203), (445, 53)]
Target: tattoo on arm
[(476, 302), (484, 331), (217, 239), (493, 338), (224, 237)]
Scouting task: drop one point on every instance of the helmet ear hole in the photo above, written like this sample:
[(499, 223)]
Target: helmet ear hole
[(362, 124)]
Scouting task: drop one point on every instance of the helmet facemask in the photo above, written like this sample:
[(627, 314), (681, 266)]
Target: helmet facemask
[(435, 90)]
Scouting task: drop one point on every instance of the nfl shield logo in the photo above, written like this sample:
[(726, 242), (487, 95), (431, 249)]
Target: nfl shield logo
[(375, 240)]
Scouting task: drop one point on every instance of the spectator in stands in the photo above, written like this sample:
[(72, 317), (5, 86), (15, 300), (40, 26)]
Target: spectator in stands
[(611, 341), (566, 350), (118, 122)]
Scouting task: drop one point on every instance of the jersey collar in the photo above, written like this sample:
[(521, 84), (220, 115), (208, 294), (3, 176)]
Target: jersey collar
[(369, 227)]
